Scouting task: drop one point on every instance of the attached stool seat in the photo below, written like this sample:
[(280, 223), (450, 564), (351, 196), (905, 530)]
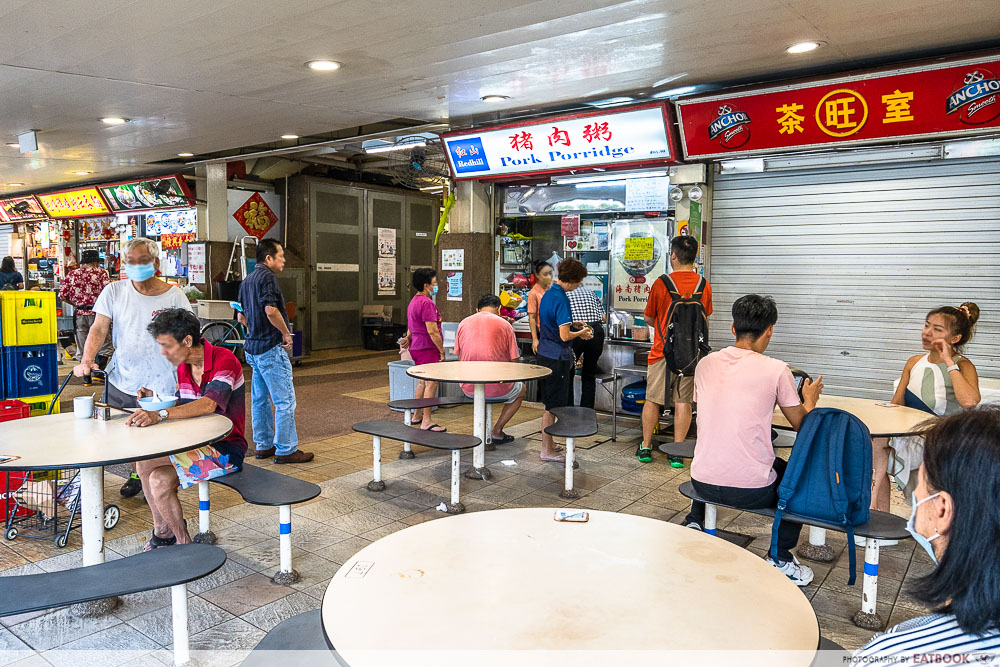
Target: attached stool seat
[(572, 423), (411, 405)]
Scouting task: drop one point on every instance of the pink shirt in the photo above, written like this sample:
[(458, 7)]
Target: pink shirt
[(421, 311), (736, 391), (486, 337)]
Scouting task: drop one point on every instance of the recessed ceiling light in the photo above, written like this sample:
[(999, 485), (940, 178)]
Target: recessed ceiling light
[(15, 185), (803, 47), (673, 92), (185, 155), (114, 120), (14, 145), (289, 136), (493, 99), (323, 65), (81, 173)]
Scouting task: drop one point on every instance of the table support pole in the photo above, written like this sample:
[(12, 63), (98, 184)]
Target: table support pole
[(205, 534), (179, 604), (407, 452), (479, 469), (92, 533), (817, 549), (614, 404), (569, 491), (455, 506), (376, 484), (285, 575), (867, 617), (489, 428)]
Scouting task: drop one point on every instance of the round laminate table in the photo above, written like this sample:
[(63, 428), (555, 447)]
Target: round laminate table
[(472, 589), (56, 442), (479, 374), (883, 419)]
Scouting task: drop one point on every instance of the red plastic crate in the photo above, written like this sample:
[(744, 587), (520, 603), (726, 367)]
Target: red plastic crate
[(10, 410)]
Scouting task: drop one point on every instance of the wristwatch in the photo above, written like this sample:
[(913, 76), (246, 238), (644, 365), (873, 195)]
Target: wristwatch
[(162, 414), (953, 367)]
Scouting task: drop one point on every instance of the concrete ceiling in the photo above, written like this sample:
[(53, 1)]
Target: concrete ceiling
[(203, 77)]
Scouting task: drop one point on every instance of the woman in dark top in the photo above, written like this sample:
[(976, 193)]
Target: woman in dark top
[(10, 277)]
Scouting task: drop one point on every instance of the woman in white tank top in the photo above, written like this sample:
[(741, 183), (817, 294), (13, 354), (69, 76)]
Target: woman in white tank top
[(941, 382)]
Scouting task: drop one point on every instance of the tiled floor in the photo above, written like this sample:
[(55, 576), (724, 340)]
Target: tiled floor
[(236, 606)]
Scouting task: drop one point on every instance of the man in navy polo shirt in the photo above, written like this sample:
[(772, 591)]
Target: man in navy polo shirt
[(555, 347), (209, 380)]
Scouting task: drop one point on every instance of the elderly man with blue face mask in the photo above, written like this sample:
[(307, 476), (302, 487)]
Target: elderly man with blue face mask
[(130, 305)]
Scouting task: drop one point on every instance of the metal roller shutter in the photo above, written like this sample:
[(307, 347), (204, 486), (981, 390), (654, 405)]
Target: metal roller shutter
[(855, 257), (5, 232)]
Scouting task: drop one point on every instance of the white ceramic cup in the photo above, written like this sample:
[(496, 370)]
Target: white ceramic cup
[(83, 407)]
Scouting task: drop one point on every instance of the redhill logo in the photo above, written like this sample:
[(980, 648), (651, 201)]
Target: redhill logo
[(732, 128), (975, 97)]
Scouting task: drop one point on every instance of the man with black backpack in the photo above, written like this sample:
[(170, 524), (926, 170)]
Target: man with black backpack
[(678, 308)]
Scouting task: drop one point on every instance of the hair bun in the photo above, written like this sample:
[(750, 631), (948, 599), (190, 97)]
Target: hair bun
[(971, 311)]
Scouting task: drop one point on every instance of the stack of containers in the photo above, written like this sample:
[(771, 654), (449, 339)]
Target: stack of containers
[(28, 370)]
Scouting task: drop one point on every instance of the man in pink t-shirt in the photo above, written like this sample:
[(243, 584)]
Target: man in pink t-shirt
[(486, 336), (736, 390)]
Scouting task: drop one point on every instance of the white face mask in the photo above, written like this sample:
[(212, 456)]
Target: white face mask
[(925, 542)]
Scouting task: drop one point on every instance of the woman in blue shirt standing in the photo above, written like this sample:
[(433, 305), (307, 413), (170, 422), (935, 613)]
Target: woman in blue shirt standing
[(10, 278), (555, 347)]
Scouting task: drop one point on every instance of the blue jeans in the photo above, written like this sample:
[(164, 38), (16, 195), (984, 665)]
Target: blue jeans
[(272, 379)]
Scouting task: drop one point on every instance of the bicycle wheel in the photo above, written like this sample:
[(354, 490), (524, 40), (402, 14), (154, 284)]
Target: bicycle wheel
[(217, 333)]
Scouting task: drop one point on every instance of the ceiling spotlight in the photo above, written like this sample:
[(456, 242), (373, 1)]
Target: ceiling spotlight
[(494, 99), (289, 136), (15, 185), (114, 120), (803, 47), (185, 155), (14, 145), (81, 173), (323, 65)]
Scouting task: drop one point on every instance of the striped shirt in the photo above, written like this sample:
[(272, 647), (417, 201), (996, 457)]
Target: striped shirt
[(221, 381), (931, 638), (585, 305)]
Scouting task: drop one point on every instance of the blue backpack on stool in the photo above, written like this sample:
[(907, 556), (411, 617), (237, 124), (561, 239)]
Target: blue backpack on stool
[(829, 475)]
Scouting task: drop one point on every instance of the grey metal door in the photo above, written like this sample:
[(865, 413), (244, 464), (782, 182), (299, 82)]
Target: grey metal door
[(336, 220), (422, 219), (387, 211)]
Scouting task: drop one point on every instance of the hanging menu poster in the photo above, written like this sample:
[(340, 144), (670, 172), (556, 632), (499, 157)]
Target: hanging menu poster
[(647, 194), (638, 257), (196, 263)]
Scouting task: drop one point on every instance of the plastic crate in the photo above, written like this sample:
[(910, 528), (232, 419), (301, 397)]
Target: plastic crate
[(383, 337), (30, 370), (28, 317), (10, 482), (10, 410), (38, 406)]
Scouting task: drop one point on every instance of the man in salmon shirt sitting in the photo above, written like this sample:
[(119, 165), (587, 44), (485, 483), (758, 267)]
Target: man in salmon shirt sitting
[(486, 336), (736, 389)]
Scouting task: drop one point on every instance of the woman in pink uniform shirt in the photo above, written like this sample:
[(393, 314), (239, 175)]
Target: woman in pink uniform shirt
[(424, 338)]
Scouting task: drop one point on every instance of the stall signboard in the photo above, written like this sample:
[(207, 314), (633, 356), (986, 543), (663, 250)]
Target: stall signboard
[(174, 241), (34, 210), (140, 195), (79, 203), (632, 136), (930, 101)]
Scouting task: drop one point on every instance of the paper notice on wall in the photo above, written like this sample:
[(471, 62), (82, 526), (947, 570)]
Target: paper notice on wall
[(647, 194), (453, 260), (386, 278), (638, 248), (570, 225), (196, 263), (455, 286), (386, 242)]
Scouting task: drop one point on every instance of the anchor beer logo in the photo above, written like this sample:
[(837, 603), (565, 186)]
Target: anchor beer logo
[(975, 97), (33, 374), (732, 128)]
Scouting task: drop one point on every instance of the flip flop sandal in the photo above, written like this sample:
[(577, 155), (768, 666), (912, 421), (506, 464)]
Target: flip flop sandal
[(156, 542), (504, 440), (435, 428)]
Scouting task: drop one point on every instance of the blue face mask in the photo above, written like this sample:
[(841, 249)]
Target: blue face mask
[(925, 542), (434, 291), (140, 272)]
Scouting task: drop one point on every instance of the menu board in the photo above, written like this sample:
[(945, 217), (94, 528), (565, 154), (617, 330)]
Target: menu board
[(81, 203), (638, 257), (647, 194), (140, 195), (34, 210)]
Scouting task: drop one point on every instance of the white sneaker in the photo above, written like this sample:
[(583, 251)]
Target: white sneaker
[(801, 575), (695, 525), (860, 541)]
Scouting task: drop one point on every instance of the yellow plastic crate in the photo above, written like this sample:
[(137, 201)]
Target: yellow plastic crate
[(39, 405), (28, 317)]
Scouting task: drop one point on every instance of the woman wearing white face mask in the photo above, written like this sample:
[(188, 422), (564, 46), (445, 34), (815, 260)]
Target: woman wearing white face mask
[(956, 519), (423, 336)]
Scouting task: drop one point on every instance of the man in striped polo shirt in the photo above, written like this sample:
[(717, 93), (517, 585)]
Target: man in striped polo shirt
[(209, 380)]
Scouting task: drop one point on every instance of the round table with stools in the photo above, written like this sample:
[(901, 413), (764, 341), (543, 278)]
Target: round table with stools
[(515, 585), (57, 442), (479, 374)]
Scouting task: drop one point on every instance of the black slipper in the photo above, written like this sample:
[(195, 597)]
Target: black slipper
[(504, 440), (156, 542)]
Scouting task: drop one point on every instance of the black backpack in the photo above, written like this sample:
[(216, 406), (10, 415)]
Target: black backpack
[(685, 341), (10, 284)]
